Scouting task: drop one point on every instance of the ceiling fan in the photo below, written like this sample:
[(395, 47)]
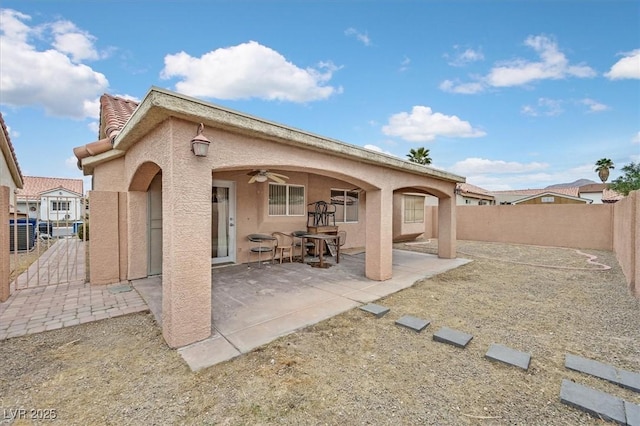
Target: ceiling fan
[(263, 175)]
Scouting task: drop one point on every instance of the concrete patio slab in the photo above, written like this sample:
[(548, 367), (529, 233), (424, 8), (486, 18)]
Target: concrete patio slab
[(252, 306), (509, 356), (452, 337), (629, 380), (208, 352), (593, 401), (632, 412)]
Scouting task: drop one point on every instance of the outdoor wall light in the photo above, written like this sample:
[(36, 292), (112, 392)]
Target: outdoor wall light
[(200, 144)]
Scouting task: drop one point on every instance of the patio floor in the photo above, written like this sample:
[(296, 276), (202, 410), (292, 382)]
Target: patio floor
[(253, 305)]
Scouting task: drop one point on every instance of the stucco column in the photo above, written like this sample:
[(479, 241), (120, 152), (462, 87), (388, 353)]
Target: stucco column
[(4, 244), (379, 235), (137, 235), (447, 228), (186, 249), (104, 244)]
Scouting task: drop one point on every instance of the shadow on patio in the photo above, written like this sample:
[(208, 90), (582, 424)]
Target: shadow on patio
[(253, 305)]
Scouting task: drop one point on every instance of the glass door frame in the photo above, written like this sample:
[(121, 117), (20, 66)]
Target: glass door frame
[(231, 221)]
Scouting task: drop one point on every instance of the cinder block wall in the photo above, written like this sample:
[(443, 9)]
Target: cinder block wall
[(626, 231)]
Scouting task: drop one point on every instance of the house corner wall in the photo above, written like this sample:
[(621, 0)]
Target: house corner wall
[(5, 265), (137, 266), (104, 244)]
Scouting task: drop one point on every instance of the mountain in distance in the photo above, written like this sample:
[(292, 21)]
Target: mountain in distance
[(578, 182)]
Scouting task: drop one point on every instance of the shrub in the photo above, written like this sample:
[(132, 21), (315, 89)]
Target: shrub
[(81, 231)]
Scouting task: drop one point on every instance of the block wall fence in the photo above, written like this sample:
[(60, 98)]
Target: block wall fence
[(614, 227)]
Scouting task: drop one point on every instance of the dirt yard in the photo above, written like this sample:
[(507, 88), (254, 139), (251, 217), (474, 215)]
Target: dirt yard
[(354, 368)]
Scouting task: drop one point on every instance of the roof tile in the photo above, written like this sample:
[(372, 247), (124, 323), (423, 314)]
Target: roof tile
[(34, 185)]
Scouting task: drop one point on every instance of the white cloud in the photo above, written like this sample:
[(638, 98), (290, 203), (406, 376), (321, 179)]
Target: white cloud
[(552, 64), (404, 65), (594, 106), (362, 37), (49, 78), (423, 125), (71, 163), (544, 107), (463, 58), (248, 70), (70, 40), (627, 67), (636, 138), (477, 166)]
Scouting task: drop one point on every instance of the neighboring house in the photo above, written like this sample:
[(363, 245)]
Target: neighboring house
[(11, 179), (599, 193), (162, 204), (10, 173), (471, 195), (57, 200), (549, 197)]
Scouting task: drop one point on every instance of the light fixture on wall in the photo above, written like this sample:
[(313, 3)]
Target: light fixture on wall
[(200, 144)]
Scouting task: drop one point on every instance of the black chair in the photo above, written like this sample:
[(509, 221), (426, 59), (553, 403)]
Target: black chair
[(265, 245), (298, 237), (321, 213)]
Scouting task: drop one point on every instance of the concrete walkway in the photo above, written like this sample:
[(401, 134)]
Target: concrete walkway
[(252, 306)]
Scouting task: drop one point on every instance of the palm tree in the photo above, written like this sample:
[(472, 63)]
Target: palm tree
[(602, 167), (420, 156)]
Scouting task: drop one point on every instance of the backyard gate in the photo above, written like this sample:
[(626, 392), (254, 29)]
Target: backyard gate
[(48, 241)]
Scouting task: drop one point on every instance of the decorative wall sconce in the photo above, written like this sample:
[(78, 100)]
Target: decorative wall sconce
[(200, 144)]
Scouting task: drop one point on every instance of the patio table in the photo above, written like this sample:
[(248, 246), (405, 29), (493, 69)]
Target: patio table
[(322, 240)]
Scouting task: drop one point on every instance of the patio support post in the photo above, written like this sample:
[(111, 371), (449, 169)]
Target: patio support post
[(186, 249), (447, 228), (379, 235), (137, 235), (4, 244), (104, 244)]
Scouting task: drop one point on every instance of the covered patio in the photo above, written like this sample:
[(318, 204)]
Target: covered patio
[(254, 305)]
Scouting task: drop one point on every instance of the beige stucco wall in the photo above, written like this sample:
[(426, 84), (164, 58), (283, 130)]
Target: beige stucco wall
[(626, 235), (6, 179), (104, 241), (579, 226)]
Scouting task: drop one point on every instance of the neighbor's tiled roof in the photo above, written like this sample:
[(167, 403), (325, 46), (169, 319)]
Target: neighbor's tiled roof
[(34, 185), (571, 191), (5, 130), (609, 195), (472, 190), (114, 113)]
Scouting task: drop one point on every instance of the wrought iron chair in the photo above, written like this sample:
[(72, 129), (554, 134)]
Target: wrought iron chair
[(321, 213), (261, 239), (303, 248)]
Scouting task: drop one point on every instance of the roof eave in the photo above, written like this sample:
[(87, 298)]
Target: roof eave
[(159, 104), (89, 163)]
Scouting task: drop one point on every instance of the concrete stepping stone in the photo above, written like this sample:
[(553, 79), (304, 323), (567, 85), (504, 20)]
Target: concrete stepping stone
[(632, 412), (593, 401), (509, 356), (624, 378), (452, 337), (120, 289), (416, 324), (377, 310)]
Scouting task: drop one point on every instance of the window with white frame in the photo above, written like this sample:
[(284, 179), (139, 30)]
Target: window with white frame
[(413, 209), (60, 206), (286, 200), (346, 203)]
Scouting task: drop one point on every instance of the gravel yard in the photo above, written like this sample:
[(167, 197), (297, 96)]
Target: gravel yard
[(354, 368)]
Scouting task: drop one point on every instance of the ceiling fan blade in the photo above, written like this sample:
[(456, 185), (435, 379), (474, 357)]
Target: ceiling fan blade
[(253, 178), (278, 175), (275, 178)]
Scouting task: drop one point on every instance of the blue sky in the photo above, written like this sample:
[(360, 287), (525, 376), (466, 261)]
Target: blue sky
[(510, 94)]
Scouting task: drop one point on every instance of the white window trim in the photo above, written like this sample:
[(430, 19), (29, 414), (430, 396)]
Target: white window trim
[(420, 220), (344, 194)]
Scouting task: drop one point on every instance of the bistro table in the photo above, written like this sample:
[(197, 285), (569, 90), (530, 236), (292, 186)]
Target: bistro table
[(322, 239)]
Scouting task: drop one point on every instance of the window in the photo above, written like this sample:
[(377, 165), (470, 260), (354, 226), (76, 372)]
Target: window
[(286, 200), (548, 199), (61, 206), (346, 204), (413, 209)]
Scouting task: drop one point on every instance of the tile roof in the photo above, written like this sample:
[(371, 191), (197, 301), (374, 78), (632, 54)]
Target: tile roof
[(10, 149), (114, 113), (571, 191), (34, 185), (467, 188)]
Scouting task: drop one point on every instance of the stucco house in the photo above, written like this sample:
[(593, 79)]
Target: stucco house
[(11, 179), (161, 203)]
